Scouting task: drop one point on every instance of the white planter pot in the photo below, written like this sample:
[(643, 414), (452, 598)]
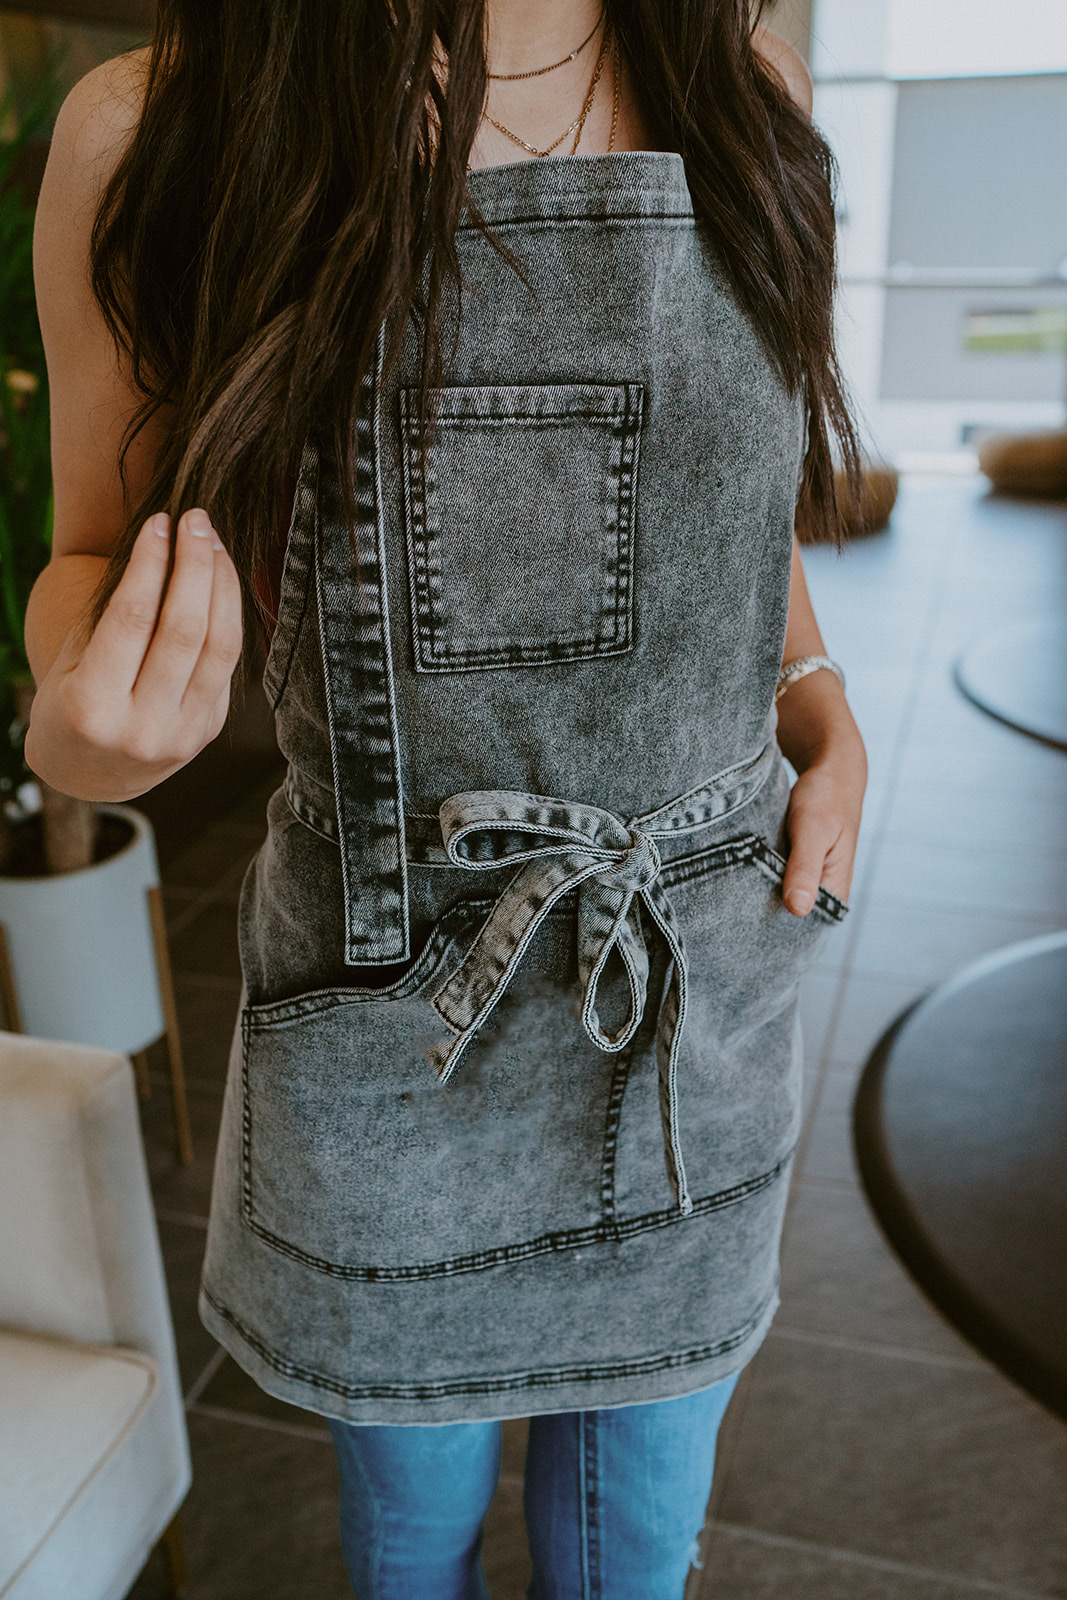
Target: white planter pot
[(82, 953)]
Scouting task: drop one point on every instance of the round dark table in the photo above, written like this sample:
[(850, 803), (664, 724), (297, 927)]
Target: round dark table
[(960, 1125), (1019, 675)]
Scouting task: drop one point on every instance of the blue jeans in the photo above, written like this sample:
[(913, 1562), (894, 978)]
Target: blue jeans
[(614, 1501)]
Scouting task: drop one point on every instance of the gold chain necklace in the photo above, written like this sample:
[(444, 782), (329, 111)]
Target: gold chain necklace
[(513, 77), (580, 119), (614, 100)]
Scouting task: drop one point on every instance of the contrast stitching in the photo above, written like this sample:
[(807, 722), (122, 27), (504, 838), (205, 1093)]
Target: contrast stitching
[(361, 702), (621, 415), (588, 1423), (619, 1078), (299, 546), (542, 223), (246, 1124), (277, 1014), (514, 1383), (736, 852), (504, 1255), (568, 649), (308, 815), (629, 445), (476, 420), (422, 614)]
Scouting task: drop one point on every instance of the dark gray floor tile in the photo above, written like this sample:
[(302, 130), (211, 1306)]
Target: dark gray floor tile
[(174, 1187), (261, 1517), (183, 1255), (881, 747), (944, 715), (738, 1566), (1015, 877), (840, 1278), (867, 1008), (152, 1582), (976, 817), (826, 1152), (179, 904), (207, 943), (818, 995), (207, 1013), (231, 1389), (866, 848), (880, 698), (946, 1468), (873, 641), (969, 621), (912, 939), (996, 758), (505, 1554), (214, 861)]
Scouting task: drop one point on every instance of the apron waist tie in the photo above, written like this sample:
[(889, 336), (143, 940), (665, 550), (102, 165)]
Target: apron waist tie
[(560, 845)]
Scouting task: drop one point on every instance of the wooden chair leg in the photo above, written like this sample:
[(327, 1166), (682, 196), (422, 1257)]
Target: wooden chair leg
[(182, 1126), (173, 1547), (8, 993), (140, 1070)]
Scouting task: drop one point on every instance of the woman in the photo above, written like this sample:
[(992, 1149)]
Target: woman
[(494, 395)]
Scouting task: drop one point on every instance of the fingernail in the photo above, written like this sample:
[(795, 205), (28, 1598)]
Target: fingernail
[(199, 524), (161, 524), (216, 543), (800, 901)]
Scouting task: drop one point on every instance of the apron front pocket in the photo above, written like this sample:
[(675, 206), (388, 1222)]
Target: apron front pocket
[(520, 522), (356, 1161), (740, 1068)]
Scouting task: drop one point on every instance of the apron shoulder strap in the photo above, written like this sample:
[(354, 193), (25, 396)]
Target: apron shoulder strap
[(353, 606)]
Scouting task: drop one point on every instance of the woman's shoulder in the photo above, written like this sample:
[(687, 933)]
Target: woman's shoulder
[(789, 65), (97, 120)]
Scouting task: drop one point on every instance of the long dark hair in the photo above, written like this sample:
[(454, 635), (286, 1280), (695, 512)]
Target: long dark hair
[(297, 176)]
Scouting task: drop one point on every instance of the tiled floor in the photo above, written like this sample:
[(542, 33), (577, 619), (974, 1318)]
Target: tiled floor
[(869, 1453)]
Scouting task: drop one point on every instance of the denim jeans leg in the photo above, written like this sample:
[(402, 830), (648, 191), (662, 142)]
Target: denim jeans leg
[(412, 1504), (615, 1499)]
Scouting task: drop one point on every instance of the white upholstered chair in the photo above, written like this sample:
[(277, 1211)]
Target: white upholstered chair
[(94, 1457)]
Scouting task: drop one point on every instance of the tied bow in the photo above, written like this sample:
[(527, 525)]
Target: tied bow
[(559, 846)]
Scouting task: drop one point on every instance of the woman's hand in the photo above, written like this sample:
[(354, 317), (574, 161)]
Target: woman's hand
[(823, 821), (818, 735), (151, 687)]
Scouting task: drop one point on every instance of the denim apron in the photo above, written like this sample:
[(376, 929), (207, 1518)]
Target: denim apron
[(516, 1080)]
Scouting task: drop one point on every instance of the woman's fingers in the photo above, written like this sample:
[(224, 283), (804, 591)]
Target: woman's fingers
[(209, 682), (151, 687), (822, 842), (182, 627), (114, 655), (804, 871)]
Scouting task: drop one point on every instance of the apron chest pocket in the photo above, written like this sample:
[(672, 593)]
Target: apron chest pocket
[(520, 523)]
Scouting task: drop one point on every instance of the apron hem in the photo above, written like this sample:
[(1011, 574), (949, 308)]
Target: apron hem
[(603, 1386)]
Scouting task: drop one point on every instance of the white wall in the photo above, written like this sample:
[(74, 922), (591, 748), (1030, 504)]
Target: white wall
[(969, 38), (938, 177)]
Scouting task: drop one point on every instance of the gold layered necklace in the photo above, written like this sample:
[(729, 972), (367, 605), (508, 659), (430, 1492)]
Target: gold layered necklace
[(609, 43), (539, 72)]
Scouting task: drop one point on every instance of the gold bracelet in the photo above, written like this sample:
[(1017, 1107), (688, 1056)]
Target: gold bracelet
[(794, 670)]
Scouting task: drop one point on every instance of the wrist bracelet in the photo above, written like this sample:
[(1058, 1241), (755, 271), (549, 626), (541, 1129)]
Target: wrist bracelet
[(793, 670)]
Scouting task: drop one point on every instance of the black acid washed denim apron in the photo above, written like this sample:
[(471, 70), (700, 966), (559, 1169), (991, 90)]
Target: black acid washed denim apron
[(516, 1081)]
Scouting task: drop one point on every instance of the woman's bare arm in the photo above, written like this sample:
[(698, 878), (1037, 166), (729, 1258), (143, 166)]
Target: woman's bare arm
[(90, 395), (819, 736), (816, 729), (115, 715)]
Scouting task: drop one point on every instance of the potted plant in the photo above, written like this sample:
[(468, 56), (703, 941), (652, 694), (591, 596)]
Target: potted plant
[(83, 952)]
